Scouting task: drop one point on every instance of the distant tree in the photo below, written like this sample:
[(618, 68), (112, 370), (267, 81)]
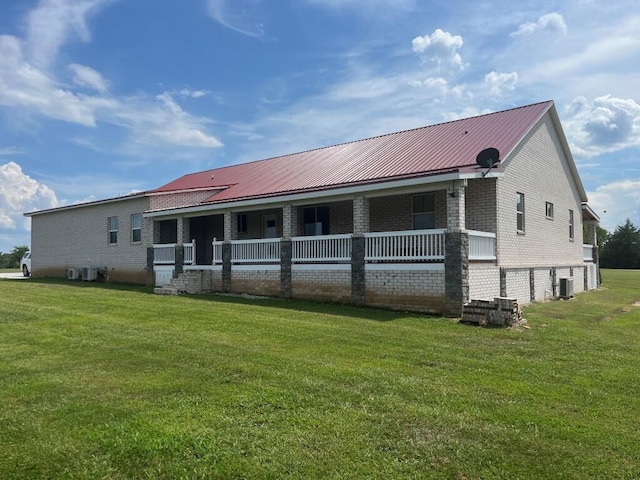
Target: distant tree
[(622, 248), (15, 255), (601, 235)]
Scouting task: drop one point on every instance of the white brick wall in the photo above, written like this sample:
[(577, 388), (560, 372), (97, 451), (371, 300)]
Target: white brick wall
[(481, 205), (543, 284), (418, 290), (79, 237), (406, 282), (539, 170), (322, 285), (518, 285), (484, 281)]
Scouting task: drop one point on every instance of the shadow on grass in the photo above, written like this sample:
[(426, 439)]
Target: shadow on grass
[(366, 313), (326, 308)]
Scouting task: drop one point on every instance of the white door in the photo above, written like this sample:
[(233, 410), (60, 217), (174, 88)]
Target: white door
[(269, 226)]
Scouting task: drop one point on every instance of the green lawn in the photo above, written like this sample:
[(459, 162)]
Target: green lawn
[(108, 381)]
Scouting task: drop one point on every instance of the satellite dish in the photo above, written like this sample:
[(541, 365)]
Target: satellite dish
[(488, 157)]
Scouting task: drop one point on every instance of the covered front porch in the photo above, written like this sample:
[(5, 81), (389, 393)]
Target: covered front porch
[(371, 248)]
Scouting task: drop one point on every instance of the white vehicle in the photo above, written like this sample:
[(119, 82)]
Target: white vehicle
[(25, 264)]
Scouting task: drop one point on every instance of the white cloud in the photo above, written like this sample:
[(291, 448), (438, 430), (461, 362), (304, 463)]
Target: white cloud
[(22, 85), (165, 122), (366, 5), (439, 87), (53, 22), (237, 15), (606, 124), (33, 90), (185, 92), (87, 77), (20, 193), (439, 47), (615, 202), (6, 151), (498, 83), (549, 23)]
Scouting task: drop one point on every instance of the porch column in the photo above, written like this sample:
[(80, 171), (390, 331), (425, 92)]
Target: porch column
[(226, 251), (179, 262), (456, 260), (360, 215), (456, 273), (285, 267), (289, 221), (228, 226), (360, 227), (151, 276), (456, 206)]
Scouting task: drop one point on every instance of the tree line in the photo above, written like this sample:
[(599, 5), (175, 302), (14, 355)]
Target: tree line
[(620, 249), (12, 258)]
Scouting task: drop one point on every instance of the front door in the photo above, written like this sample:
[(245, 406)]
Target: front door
[(269, 226)]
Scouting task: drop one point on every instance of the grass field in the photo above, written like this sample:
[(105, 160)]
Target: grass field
[(108, 381)]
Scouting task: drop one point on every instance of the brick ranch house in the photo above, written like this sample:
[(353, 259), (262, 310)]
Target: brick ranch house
[(407, 220)]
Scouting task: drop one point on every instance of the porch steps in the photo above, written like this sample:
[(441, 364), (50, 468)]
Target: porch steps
[(192, 281)]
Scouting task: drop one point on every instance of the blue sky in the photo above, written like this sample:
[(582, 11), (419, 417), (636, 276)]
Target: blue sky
[(100, 98)]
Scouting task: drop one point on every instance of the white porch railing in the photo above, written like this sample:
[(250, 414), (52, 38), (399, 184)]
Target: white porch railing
[(164, 254), (482, 245), (321, 249), (217, 252), (587, 253), (189, 252), (265, 250), (401, 246), (407, 245)]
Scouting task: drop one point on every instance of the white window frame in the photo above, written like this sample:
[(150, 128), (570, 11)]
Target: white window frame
[(520, 209), (548, 210), (112, 225), (572, 228), (423, 215), (136, 226)]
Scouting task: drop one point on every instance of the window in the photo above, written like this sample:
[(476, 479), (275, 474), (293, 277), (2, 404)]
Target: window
[(136, 227), (242, 223), (424, 216), (520, 212), (548, 208), (113, 230), (316, 220), (571, 226)]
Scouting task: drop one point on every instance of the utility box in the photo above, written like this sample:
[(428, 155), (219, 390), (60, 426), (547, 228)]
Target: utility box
[(566, 288), (89, 274), (73, 274)]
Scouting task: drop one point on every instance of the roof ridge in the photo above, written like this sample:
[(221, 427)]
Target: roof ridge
[(367, 139)]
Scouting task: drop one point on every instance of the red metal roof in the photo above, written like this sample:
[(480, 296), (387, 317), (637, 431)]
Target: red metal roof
[(445, 147)]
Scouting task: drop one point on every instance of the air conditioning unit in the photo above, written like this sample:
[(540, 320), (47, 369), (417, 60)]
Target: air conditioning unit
[(89, 274), (73, 274), (566, 287)]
